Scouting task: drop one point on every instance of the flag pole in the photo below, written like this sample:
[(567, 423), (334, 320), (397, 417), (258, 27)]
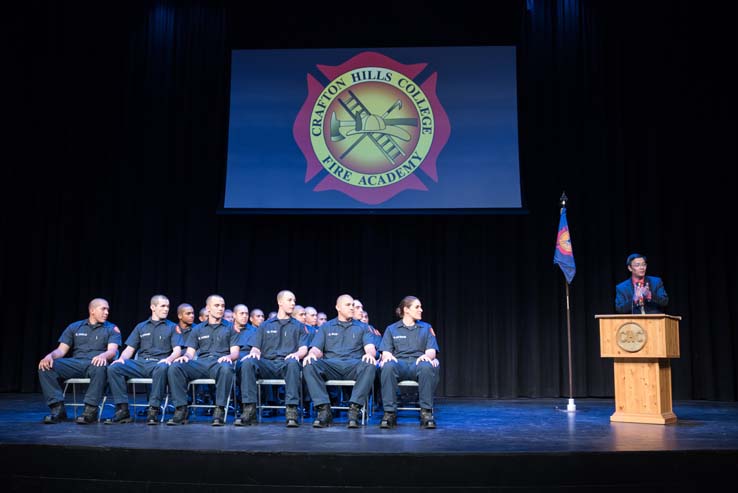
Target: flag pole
[(571, 406)]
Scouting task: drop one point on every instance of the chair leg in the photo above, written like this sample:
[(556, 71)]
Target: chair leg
[(164, 409), (102, 406)]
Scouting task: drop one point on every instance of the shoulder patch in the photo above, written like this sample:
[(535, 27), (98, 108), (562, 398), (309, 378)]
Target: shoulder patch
[(115, 328), (178, 329), (432, 331)]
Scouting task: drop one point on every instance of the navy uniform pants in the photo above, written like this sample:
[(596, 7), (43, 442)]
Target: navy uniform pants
[(138, 368), (393, 372), (180, 373), (320, 370), (287, 369), (73, 368)]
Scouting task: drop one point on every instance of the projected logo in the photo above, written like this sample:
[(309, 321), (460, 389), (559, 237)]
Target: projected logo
[(373, 128)]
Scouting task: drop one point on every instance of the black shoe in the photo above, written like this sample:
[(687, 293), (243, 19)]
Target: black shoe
[(218, 416), (248, 416), (58, 414), (427, 420), (152, 416), (389, 420), (324, 417), (291, 416), (179, 418), (353, 415), (121, 416), (88, 416)]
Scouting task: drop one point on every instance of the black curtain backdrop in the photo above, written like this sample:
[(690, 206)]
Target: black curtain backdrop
[(114, 163)]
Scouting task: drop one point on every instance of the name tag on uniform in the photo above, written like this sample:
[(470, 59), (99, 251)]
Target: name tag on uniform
[(146, 334), (272, 332), (399, 337), (332, 334), (200, 338), (81, 334)]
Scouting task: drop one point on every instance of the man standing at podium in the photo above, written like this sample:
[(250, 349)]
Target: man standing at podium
[(641, 293)]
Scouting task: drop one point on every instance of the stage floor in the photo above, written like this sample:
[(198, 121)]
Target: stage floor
[(521, 445)]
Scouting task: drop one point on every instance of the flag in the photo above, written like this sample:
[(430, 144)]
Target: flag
[(564, 255)]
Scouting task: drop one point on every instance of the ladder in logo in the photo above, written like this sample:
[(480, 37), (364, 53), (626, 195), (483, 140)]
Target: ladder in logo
[(382, 141)]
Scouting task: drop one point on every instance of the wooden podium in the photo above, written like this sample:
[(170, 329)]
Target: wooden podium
[(641, 346)]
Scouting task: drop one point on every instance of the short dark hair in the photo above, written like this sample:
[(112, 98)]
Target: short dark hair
[(634, 256)]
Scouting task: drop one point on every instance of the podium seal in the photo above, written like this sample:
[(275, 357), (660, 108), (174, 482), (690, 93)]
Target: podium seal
[(631, 337)]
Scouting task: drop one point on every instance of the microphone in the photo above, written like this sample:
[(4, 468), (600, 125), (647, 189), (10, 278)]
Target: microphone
[(638, 298)]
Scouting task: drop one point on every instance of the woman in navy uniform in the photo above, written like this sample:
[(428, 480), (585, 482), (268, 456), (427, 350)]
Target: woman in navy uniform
[(409, 350)]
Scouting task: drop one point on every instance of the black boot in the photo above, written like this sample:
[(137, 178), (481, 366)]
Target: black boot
[(58, 414), (353, 415), (218, 416), (427, 420), (179, 418), (248, 415), (324, 417), (152, 416), (291, 416), (122, 415), (389, 420), (89, 415)]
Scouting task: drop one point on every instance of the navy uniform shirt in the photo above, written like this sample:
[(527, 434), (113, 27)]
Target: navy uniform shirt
[(212, 341), (245, 337), (185, 333), (376, 336), (277, 338), (408, 342), (155, 339), (88, 340), (343, 340), (312, 330)]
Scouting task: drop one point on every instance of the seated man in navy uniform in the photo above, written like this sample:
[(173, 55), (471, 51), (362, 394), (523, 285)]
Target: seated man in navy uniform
[(156, 342), (94, 342), (277, 348), (245, 332), (215, 343), (641, 293), (343, 349), (409, 350), (244, 328), (185, 317)]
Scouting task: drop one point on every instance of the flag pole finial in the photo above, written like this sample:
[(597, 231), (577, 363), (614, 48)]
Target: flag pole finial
[(563, 199)]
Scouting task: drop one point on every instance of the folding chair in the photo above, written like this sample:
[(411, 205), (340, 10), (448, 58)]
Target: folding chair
[(365, 407), (80, 381), (145, 381), (408, 383), (275, 382), (211, 381)]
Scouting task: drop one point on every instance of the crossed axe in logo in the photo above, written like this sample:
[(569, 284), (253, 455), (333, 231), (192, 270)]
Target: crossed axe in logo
[(378, 128)]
